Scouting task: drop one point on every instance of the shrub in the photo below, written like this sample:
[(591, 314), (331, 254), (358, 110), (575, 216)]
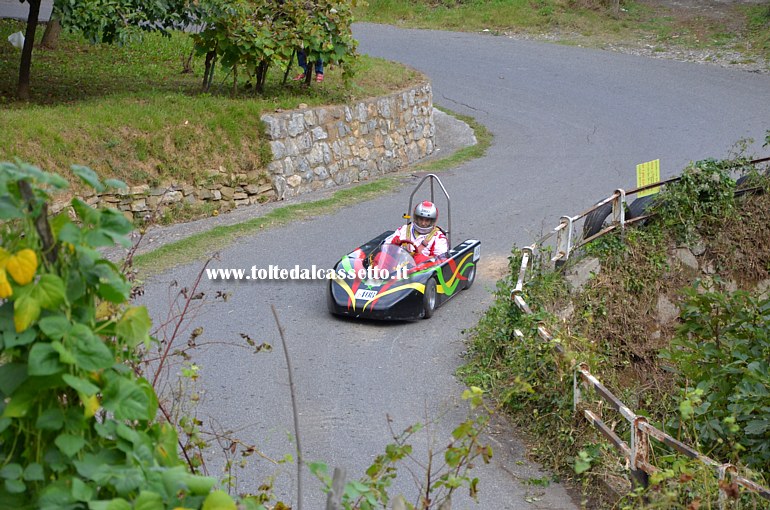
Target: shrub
[(78, 426)]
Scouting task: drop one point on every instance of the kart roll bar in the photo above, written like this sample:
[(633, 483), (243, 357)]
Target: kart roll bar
[(433, 177)]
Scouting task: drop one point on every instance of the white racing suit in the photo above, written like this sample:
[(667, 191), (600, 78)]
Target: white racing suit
[(429, 245)]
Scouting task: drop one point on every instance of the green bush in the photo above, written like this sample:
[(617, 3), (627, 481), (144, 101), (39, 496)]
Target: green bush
[(703, 196), (722, 351), (78, 427)]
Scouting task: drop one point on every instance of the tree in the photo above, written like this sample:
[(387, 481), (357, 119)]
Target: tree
[(115, 21), (51, 34), (251, 36), (26, 53)]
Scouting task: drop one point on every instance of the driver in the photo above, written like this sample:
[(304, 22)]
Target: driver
[(428, 240)]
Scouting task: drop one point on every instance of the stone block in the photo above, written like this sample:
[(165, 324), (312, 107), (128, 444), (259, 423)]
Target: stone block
[(226, 192)]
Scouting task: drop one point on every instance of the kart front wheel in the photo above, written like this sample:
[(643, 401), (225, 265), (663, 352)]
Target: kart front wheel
[(470, 277), (429, 299)]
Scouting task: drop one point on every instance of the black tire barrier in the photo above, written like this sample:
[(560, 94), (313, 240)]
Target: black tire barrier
[(595, 220), (640, 206)]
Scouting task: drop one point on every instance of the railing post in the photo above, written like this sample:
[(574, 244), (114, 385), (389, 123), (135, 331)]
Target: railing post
[(576, 382), (640, 449), (563, 243), (527, 254), (726, 484), (619, 208)]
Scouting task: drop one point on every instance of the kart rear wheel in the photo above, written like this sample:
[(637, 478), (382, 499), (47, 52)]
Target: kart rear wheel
[(429, 299), (470, 277)]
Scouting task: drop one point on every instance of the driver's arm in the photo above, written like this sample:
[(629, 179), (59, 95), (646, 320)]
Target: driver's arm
[(394, 238), (440, 245)]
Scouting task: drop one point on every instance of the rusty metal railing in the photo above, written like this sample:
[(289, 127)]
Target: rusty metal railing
[(637, 453)]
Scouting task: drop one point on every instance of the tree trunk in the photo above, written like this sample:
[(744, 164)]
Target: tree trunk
[(26, 53), (235, 81), (208, 72), (51, 35)]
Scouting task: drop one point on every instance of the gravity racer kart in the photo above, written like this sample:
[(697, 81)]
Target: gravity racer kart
[(383, 281)]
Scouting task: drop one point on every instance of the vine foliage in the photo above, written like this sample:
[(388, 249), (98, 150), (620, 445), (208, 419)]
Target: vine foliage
[(78, 427)]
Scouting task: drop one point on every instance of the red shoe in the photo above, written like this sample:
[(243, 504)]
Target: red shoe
[(299, 77), (319, 77)]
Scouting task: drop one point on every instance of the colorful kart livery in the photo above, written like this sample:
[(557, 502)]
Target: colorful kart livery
[(383, 281)]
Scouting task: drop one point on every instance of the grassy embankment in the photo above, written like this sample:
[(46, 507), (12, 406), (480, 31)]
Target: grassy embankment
[(696, 368), (131, 113), (744, 29)]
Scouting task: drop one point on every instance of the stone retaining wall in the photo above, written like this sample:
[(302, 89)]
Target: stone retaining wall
[(335, 145), (313, 148)]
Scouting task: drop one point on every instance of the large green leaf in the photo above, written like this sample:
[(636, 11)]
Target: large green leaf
[(118, 504), (127, 399), (49, 291), (12, 375), (26, 310), (757, 427), (9, 209), (55, 326), (90, 351), (34, 473), (69, 444), (115, 226), (44, 360), (12, 339), (11, 471), (76, 286), (15, 486), (65, 355), (87, 214), (55, 496), (178, 478), (115, 183), (166, 445), (88, 176), (81, 385), (108, 281), (92, 465), (81, 491), (134, 326), (219, 500), (149, 501), (50, 419), (19, 405)]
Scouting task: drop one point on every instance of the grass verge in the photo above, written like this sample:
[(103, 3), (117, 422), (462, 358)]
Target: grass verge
[(738, 28), (198, 246)]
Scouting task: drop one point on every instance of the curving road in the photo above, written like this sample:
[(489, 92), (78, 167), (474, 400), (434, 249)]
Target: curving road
[(570, 124)]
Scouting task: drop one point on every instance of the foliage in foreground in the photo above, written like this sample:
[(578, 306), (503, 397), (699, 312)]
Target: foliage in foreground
[(710, 389), (78, 426)]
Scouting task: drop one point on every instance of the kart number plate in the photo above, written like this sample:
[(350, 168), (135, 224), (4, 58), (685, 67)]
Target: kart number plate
[(365, 294)]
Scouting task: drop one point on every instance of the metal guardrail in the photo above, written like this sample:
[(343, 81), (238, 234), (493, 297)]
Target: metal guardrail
[(637, 453)]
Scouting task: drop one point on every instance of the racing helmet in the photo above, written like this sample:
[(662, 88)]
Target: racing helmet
[(424, 217)]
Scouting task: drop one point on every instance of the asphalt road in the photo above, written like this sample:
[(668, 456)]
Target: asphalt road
[(570, 125), (18, 10)]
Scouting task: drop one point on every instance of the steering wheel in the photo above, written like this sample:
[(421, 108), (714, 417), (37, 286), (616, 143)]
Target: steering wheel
[(408, 243)]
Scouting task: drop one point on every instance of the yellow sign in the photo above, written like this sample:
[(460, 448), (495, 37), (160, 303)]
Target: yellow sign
[(648, 173)]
